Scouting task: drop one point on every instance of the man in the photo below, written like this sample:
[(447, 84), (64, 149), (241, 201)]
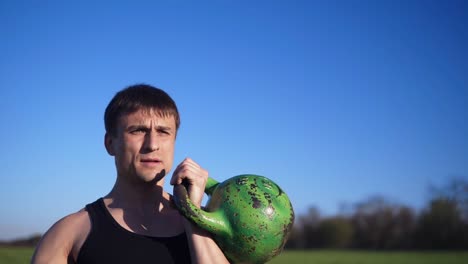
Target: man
[(136, 222)]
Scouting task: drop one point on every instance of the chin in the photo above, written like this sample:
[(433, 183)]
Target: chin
[(158, 178), (153, 177)]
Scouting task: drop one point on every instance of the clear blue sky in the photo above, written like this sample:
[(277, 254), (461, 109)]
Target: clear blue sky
[(334, 100)]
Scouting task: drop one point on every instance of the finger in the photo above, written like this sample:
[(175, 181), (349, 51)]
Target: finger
[(174, 175), (185, 172), (191, 162), (188, 162)]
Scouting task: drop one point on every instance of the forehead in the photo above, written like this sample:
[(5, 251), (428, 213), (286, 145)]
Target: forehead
[(147, 117)]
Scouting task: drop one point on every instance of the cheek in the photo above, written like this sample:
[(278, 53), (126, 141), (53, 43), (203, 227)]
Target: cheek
[(126, 151), (169, 153), (130, 145)]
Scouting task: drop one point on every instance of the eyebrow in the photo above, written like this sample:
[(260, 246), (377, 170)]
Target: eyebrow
[(133, 127), (158, 127), (165, 128)]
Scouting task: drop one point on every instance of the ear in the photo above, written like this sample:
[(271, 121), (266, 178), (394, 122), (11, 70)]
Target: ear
[(108, 143)]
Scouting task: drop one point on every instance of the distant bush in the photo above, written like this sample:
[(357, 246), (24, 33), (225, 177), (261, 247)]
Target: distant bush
[(378, 224), (22, 242)]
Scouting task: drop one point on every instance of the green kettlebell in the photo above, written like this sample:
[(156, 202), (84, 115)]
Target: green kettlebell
[(249, 216)]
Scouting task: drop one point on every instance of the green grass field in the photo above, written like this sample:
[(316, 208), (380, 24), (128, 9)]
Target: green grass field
[(15, 255), (369, 257), (23, 255)]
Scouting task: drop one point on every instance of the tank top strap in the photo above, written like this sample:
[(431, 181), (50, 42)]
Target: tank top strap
[(100, 218)]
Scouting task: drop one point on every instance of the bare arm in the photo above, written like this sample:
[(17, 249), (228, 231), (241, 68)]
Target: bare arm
[(62, 240), (203, 249), (202, 246)]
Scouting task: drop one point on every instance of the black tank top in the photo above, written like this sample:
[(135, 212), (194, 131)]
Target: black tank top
[(108, 242)]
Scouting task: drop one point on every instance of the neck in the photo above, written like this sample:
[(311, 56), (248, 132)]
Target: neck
[(138, 196)]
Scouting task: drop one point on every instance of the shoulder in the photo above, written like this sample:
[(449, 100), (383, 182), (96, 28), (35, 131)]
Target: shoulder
[(64, 238), (76, 220)]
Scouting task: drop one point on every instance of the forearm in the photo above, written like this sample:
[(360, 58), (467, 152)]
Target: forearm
[(203, 248)]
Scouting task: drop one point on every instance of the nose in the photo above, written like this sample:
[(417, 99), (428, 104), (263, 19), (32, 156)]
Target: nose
[(151, 142)]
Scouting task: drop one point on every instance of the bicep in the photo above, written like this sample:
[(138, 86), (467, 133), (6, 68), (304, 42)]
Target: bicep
[(56, 244)]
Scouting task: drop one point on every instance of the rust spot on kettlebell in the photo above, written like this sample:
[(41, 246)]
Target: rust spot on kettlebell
[(256, 202)]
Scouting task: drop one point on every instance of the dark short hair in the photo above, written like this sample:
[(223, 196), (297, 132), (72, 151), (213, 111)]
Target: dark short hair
[(136, 97)]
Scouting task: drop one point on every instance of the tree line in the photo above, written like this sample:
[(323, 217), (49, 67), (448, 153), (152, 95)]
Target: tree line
[(378, 224)]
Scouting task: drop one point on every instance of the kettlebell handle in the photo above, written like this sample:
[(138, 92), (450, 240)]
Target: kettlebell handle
[(213, 222)]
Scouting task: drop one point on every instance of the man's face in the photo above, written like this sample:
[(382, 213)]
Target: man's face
[(143, 146)]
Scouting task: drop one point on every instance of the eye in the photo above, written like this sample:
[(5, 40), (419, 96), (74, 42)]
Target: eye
[(163, 132), (138, 131)]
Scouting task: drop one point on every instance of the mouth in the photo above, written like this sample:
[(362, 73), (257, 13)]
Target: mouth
[(150, 161)]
